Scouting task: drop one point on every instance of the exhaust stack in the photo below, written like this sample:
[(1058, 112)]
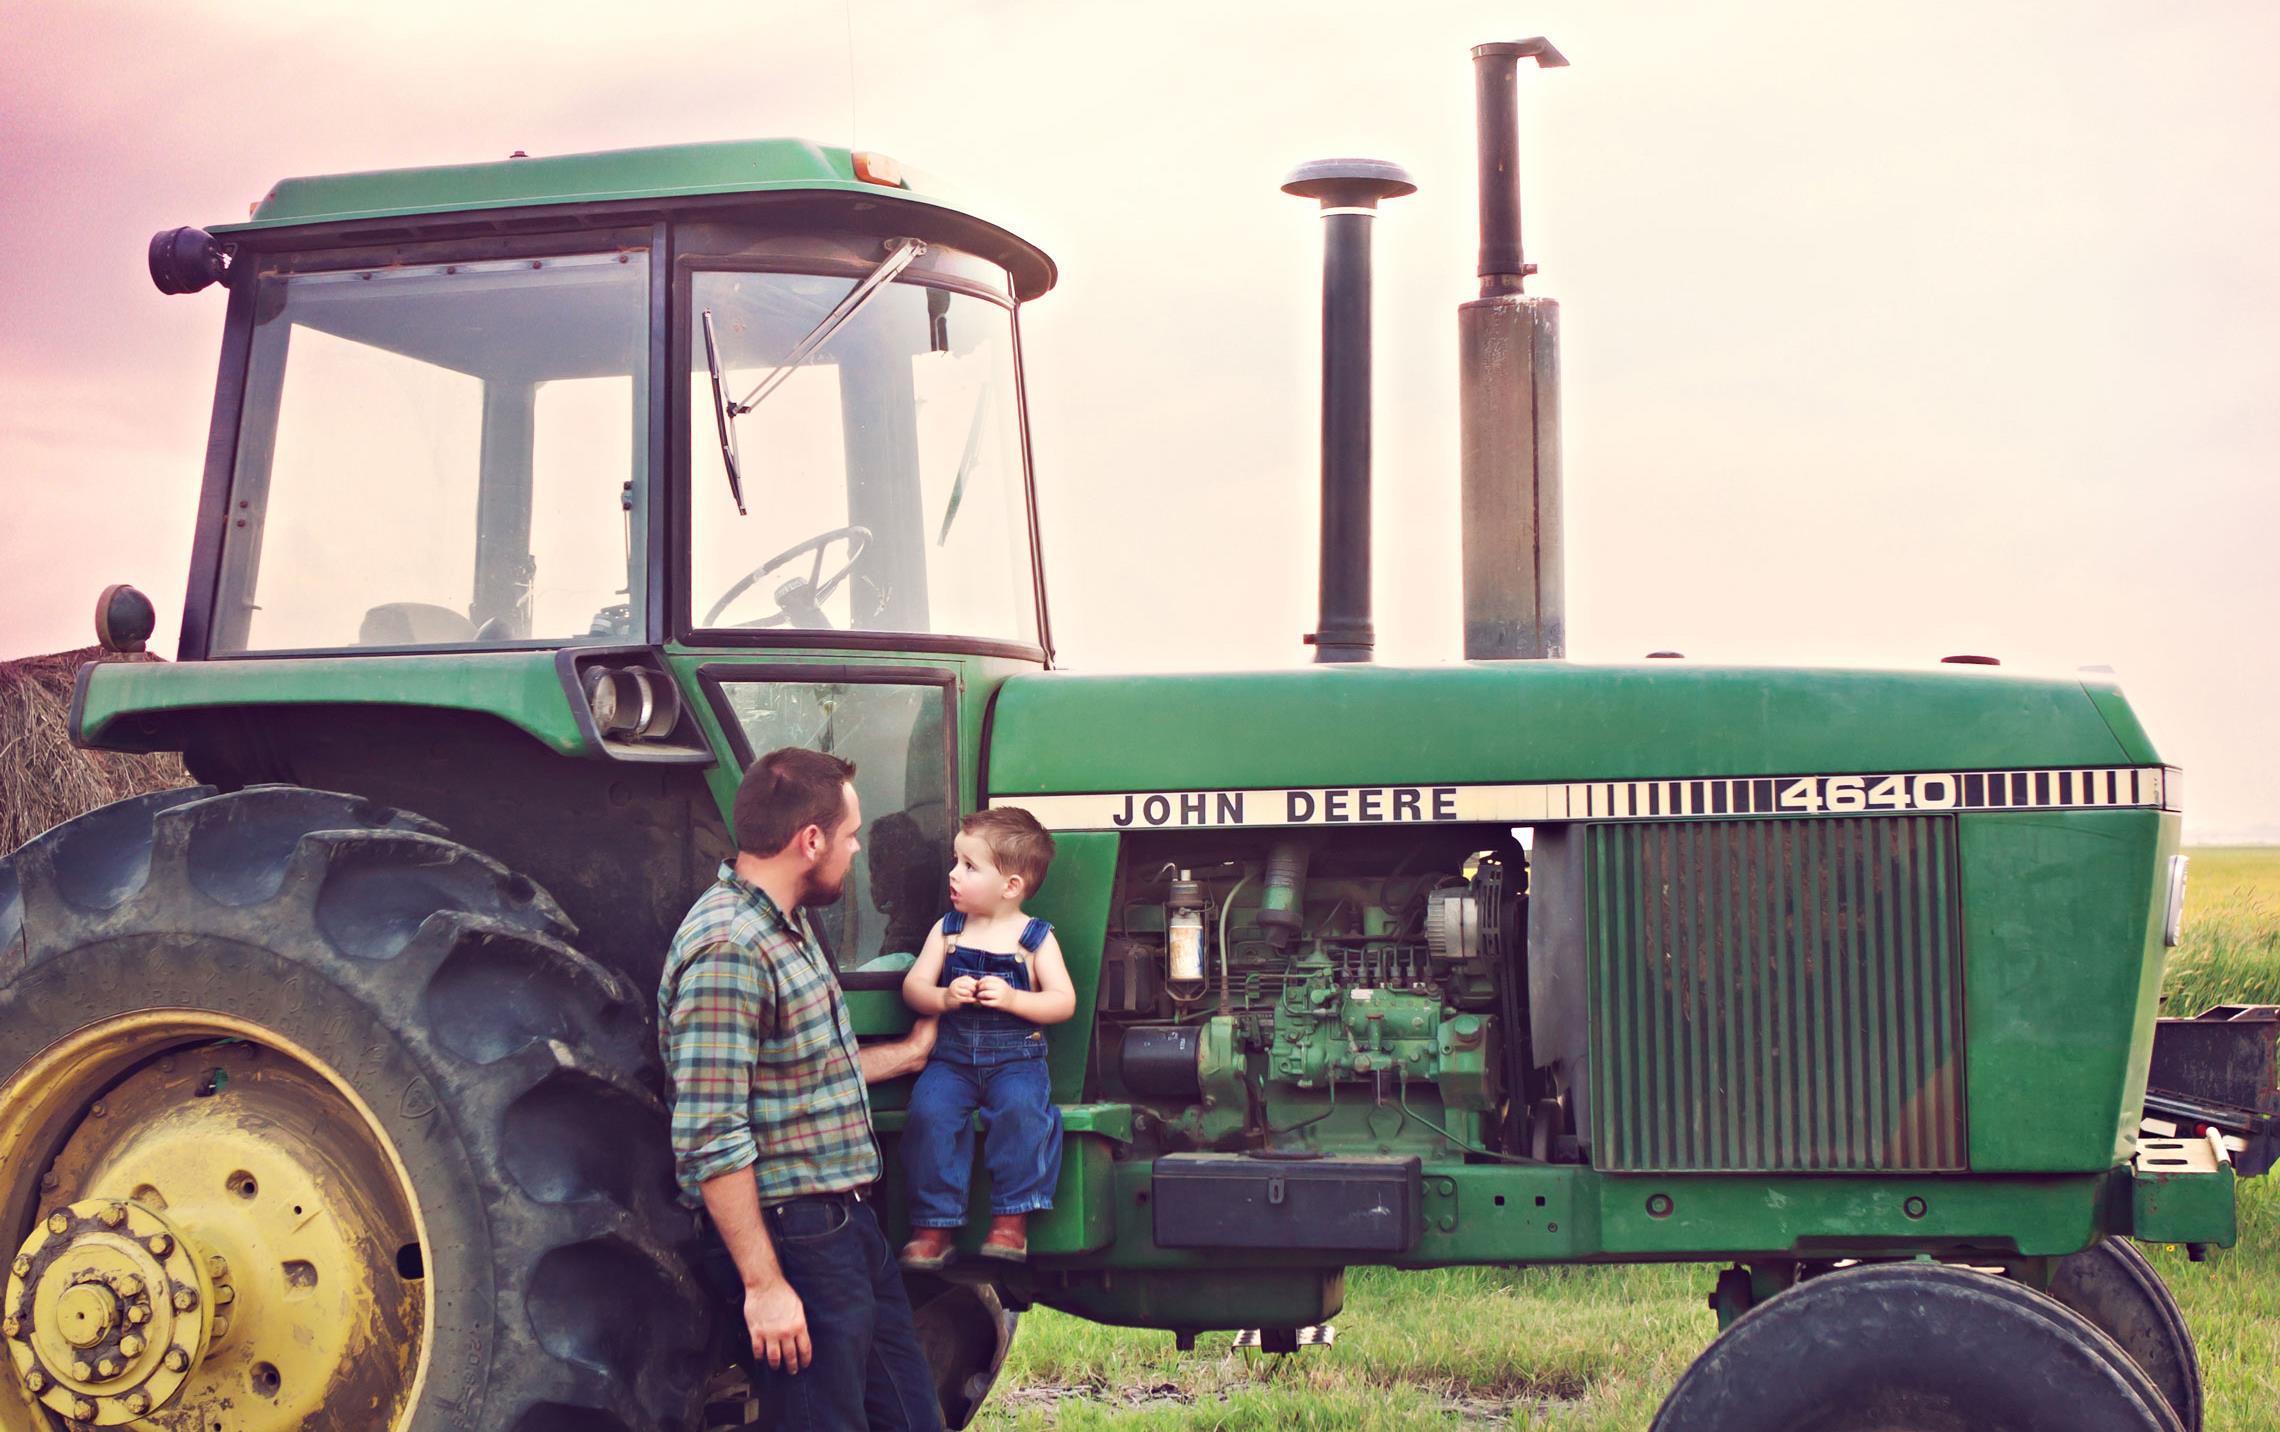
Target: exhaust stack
[(1509, 401), (1349, 190)]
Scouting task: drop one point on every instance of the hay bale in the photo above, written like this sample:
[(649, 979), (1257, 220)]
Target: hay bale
[(44, 779)]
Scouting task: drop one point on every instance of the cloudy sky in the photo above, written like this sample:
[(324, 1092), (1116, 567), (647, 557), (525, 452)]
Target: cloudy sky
[(1892, 329)]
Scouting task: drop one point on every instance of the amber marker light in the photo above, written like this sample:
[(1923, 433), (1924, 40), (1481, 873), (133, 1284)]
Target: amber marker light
[(874, 168)]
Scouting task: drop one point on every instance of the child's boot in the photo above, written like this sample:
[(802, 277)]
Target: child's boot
[(929, 1249), (1008, 1238)]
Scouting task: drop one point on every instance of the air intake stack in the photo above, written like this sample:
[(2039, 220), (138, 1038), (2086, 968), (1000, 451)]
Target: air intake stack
[(1349, 190), (1509, 401)]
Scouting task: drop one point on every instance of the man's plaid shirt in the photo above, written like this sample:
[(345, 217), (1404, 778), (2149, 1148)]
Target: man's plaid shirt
[(759, 1051)]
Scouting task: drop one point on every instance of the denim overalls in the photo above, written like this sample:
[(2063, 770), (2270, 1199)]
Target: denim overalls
[(992, 1061)]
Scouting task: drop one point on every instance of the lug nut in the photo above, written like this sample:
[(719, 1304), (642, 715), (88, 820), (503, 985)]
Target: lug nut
[(221, 1329), (160, 1244), (130, 1345), (224, 1296), (177, 1360), (59, 1224), (137, 1403), (35, 1380), (126, 1285), (12, 1327), (107, 1369), (82, 1409), (113, 1216), (139, 1313), (82, 1371), (184, 1300), (22, 1267), (218, 1266)]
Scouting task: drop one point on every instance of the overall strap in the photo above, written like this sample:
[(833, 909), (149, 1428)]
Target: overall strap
[(953, 922), (1033, 934)]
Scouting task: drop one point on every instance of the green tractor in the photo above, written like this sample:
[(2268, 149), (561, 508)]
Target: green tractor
[(543, 494)]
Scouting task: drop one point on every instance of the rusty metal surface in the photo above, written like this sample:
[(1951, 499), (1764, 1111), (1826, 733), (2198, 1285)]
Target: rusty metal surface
[(1777, 996), (2221, 1069), (1508, 394)]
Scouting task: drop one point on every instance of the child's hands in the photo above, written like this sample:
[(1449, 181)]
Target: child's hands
[(961, 991), (993, 993)]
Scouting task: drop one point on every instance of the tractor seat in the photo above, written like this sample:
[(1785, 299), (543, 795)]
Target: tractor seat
[(415, 624)]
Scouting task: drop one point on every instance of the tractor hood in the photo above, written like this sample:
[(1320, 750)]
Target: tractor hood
[(1504, 724)]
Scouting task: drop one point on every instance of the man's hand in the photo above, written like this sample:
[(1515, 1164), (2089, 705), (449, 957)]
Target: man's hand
[(884, 1059), (961, 991), (778, 1324), (990, 992)]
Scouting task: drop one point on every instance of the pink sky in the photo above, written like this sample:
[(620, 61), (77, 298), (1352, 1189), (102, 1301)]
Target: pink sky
[(1892, 330)]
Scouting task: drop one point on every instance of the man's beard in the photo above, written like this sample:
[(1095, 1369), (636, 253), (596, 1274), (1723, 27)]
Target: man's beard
[(817, 896)]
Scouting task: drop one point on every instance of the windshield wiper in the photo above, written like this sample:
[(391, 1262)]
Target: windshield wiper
[(966, 461), (900, 252), (724, 414)]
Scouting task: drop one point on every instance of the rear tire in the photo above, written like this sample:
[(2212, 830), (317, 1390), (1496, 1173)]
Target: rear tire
[(508, 1080), (1913, 1347), (2116, 1290)]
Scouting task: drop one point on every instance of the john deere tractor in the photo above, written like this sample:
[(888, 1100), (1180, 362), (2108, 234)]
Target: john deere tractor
[(542, 494)]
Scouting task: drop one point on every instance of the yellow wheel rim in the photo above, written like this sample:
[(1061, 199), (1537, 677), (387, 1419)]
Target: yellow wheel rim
[(202, 1215)]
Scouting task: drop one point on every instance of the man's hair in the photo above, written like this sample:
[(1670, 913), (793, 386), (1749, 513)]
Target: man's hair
[(1018, 845), (785, 792)]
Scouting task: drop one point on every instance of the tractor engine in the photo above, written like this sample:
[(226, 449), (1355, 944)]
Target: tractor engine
[(1338, 994)]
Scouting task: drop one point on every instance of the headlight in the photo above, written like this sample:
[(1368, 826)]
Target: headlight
[(2174, 920)]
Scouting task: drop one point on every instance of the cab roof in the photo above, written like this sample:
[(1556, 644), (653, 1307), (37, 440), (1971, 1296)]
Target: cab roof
[(640, 178)]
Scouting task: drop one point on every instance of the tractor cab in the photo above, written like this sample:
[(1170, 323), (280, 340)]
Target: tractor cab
[(663, 457), (516, 405)]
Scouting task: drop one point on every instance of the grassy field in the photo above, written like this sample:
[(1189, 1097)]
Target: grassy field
[(1593, 1350)]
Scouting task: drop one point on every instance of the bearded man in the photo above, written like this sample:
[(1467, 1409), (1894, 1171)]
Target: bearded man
[(771, 1121)]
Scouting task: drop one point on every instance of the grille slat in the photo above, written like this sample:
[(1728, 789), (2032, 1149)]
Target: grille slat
[(1776, 995)]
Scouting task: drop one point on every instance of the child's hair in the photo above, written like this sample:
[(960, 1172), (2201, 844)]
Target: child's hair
[(1017, 843)]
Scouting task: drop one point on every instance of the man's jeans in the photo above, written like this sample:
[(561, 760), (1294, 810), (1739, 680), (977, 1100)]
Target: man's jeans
[(869, 1373)]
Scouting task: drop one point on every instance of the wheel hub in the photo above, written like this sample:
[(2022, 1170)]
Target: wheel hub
[(109, 1308), (218, 1240)]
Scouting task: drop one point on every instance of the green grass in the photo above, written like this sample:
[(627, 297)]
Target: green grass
[(1595, 1349)]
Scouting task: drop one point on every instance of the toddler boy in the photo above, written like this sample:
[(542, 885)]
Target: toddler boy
[(995, 976)]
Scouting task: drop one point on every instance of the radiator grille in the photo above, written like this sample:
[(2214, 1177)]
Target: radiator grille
[(1776, 995)]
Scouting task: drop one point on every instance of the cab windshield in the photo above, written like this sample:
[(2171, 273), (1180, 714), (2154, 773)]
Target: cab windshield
[(446, 454), (881, 472)]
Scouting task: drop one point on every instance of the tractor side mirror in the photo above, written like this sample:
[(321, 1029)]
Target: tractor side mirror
[(185, 260)]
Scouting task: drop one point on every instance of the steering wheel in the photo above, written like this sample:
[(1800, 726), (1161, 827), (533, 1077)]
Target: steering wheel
[(799, 601)]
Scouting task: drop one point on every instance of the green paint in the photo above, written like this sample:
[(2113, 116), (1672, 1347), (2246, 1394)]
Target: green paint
[(1588, 1216), (2062, 969), (2184, 1208), (2106, 695), (1528, 721), (748, 166), (138, 706)]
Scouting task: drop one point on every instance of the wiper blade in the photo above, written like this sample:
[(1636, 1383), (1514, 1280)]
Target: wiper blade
[(724, 414), (965, 462), (900, 252)]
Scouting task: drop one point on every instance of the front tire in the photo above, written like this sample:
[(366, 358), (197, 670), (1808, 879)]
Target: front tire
[(361, 1065), (2116, 1290), (1913, 1347)]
